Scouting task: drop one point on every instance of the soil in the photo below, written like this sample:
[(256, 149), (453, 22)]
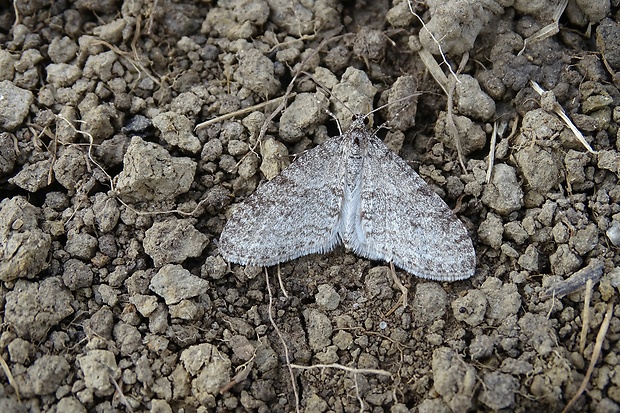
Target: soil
[(114, 295)]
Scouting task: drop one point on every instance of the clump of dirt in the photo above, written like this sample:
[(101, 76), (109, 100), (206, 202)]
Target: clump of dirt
[(114, 295)]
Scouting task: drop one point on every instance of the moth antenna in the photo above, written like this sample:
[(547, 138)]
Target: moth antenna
[(331, 95), (335, 98), (384, 124), (353, 114)]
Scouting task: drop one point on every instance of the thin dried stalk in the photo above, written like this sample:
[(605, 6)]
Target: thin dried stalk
[(600, 337), (559, 110), (549, 30)]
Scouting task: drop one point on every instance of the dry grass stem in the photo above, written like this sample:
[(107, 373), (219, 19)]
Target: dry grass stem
[(443, 56), (585, 316), (9, 375), (491, 159), (559, 110), (345, 368), (283, 341), (549, 30), (243, 111), (600, 337)]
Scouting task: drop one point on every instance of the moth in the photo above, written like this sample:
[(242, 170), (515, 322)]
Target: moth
[(351, 190)]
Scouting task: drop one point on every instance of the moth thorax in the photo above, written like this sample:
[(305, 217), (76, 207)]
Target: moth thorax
[(357, 143)]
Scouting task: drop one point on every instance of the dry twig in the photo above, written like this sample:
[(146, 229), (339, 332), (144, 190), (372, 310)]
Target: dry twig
[(594, 272)]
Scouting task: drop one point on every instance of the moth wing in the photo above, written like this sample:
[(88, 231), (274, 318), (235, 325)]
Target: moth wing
[(294, 214), (403, 221)]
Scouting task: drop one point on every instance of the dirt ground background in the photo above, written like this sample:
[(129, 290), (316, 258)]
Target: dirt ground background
[(112, 303)]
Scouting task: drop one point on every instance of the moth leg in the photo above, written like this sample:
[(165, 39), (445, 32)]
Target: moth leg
[(404, 291)]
